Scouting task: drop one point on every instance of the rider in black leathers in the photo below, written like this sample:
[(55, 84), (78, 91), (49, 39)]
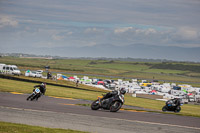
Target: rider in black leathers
[(42, 88), (176, 101), (106, 97)]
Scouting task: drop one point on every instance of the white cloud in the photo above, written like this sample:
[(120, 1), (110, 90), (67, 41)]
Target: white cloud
[(41, 44), (7, 21), (57, 37), (122, 30), (146, 31), (80, 23), (187, 33), (69, 33), (61, 36), (92, 43), (93, 30)]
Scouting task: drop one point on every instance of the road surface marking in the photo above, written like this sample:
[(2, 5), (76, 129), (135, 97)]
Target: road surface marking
[(48, 96), (62, 98), (142, 122), (16, 93), (68, 104), (132, 110)]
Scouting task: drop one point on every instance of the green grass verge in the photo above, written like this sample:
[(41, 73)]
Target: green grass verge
[(8, 85), (6, 127)]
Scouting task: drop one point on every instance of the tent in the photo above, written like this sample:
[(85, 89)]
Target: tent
[(27, 73), (100, 83), (62, 77), (185, 91), (153, 92), (71, 78)]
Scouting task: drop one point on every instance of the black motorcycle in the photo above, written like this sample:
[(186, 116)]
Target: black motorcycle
[(36, 93), (170, 106), (113, 104)]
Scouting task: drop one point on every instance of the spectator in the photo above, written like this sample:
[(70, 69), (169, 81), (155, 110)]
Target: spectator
[(49, 75), (77, 82)]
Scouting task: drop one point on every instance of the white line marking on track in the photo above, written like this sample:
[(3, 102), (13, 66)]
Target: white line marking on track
[(143, 122)]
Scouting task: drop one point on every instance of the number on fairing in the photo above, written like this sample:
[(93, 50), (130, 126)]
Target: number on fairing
[(37, 90)]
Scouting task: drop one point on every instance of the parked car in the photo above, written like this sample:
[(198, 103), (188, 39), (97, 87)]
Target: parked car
[(35, 74), (40, 71)]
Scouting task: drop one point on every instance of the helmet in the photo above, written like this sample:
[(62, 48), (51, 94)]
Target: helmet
[(122, 91), (43, 84)]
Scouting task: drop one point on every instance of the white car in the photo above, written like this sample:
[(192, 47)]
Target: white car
[(40, 71), (35, 74)]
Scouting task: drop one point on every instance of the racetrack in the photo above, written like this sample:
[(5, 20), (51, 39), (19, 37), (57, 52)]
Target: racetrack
[(64, 113)]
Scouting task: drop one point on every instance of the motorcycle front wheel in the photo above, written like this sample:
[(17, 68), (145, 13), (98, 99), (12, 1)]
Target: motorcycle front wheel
[(95, 105), (115, 106), (164, 109)]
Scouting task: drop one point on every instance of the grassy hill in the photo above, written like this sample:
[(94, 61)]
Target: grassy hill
[(165, 72)]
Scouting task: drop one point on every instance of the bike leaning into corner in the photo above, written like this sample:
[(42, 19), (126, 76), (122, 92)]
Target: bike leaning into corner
[(173, 105), (112, 101), (37, 92)]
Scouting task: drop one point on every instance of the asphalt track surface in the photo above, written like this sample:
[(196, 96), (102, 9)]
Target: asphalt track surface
[(65, 113)]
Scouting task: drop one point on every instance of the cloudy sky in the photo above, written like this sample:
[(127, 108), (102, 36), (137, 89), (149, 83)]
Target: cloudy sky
[(79, 23)]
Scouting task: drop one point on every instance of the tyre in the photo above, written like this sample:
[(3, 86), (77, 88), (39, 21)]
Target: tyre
[(95, 105), (29, 97), (115, 106), (33, 97), (164, 109), (178, 109)]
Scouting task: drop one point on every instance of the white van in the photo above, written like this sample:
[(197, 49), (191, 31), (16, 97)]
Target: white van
[(9, 69)]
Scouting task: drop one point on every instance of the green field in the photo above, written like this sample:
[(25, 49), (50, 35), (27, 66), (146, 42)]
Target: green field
[(6, 127), (169, 72)]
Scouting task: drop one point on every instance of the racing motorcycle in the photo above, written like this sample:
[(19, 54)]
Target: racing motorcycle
[(172, 107), (36, 93), (113, 104)]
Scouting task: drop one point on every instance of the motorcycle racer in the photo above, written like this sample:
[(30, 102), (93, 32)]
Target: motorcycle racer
[(114, 93), (42, 88), (112, 101)]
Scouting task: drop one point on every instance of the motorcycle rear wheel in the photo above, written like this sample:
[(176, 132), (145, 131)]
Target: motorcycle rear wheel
[(29, 97), (115, 106), (95, 105), (178, 109), (34, 97)]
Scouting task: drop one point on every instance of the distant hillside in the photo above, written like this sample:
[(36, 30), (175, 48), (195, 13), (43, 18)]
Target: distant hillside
[(137, 51)]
